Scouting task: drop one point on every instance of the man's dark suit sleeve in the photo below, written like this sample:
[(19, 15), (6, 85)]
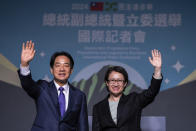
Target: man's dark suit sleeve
[(147, 96), (95, 124), (83, 118), (29, 85)]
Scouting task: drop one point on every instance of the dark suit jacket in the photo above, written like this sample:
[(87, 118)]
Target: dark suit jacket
[(128, 111), (48, 113)]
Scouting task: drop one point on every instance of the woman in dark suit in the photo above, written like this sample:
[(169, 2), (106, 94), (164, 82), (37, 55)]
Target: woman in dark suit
[(119, 112)]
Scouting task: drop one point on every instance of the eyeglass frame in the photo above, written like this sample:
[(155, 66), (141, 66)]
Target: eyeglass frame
[(112, 81)]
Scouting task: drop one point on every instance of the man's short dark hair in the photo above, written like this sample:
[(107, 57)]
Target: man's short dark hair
[(62, 53)]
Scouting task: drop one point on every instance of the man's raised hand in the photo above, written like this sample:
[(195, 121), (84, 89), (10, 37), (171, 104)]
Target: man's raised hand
[(28, 53)]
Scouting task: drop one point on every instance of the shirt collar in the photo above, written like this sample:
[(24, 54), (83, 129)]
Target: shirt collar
[(66, 86)]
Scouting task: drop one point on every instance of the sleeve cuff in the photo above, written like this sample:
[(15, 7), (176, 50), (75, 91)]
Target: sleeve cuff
[(24, 70), (157, 77)]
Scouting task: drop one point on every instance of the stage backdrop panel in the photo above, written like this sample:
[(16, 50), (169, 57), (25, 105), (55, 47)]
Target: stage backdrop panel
[(99, 34)]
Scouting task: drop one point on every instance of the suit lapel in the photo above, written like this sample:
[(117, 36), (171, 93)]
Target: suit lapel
[(120, 109), (70, 103), (54, 97), (107, 111)]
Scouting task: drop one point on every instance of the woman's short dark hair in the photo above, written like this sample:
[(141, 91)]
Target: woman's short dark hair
[(118, 69), (62, 53)]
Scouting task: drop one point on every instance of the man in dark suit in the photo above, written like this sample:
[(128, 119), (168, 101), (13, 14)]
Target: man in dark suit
[(59, 105), (118, 112)]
